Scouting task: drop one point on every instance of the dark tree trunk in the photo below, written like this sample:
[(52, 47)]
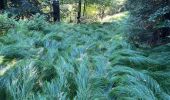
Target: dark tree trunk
[(84, 10), (79, 12), (2, 4), (56, 10), (103, 13)]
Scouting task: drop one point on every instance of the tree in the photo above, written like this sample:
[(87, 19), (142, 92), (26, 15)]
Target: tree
[(56, 10), (23, 8), (148, 17), (102, 4), (2, 4), (79, 12), (84, 9)]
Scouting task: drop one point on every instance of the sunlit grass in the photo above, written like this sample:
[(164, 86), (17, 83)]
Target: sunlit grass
[(121, 16), (1, 59), (116, 17), (117, 37), (3, 70), (6, 67), (120, 2)]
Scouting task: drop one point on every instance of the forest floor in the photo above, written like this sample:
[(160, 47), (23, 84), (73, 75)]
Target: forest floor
[(39, 60)]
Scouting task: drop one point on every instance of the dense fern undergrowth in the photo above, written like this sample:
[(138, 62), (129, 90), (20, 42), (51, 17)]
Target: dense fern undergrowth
[(42, 61)]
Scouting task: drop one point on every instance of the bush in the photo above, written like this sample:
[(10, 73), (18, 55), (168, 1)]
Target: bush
[(37, 22), (6, 23)]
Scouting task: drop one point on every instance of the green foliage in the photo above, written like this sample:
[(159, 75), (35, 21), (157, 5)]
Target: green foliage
[(37, 23), (20, 81), (159, 13), (41, 61), (6, 23), (147, 18)]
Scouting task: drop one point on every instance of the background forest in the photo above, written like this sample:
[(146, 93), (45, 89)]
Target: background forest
[(84, 50)]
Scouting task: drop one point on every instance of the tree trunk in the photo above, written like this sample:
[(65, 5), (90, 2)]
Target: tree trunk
[(2, 4), (102, 11), (79, 12), (56, 10), (103, 14), (84, 10)]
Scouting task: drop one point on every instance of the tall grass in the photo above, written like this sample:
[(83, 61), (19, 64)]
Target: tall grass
[(42, 61)]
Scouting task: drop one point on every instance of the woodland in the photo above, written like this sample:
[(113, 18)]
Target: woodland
[(84, 49)]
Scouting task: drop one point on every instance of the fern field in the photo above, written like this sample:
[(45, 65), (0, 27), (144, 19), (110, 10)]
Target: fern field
[(43, 61)]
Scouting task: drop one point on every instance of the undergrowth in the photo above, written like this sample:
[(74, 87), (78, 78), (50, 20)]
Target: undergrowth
[(42, 61)]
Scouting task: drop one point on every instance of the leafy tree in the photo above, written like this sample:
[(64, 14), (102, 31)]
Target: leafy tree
[(23, 8), (148, 17)]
